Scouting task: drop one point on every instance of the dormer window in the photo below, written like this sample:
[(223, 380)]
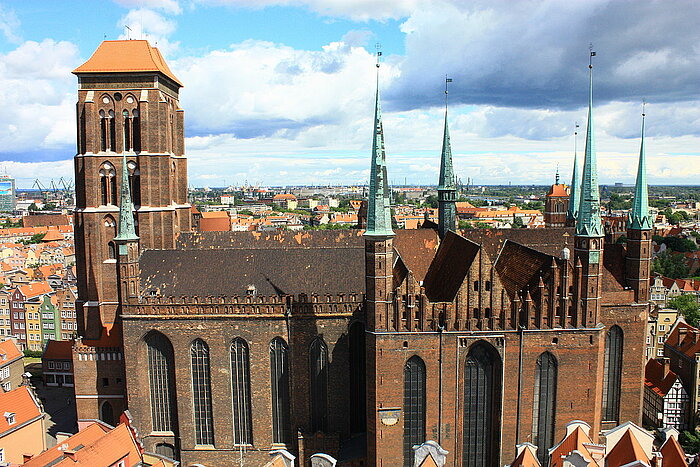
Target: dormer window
[(10, 417), (251, 291)]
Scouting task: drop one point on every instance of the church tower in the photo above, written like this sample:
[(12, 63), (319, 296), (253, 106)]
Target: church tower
[(447, 187), (129, 122), (588, 238), (379, 262), (556, 205), (639, 227), (575, 188)]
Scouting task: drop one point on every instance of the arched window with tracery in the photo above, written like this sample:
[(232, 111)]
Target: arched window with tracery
[(201, 393), (482, 407), (134, 182), (612, 374), (112, 131), (136, 129), (543, 411), (161, 378), (240, 388), (318, 366), (413, 407), (108, 184), (279, 376), (110, 229)]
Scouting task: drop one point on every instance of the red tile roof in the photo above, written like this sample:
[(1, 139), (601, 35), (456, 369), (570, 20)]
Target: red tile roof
[(9, 352), (558, 190), (35, 289), (690, 344), (126, 57), (655, 379), (575, 441), (20, 402), (58, 350), (626, 450), (526, 458)]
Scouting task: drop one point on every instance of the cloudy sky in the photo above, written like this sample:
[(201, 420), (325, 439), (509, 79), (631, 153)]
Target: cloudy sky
[(281, 91)]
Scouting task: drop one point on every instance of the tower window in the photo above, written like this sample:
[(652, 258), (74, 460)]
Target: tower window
[(318, 363), (413, 406), (543, 412), (201, 393), (240, 386), (612, 374), (279, 375), (161, 376)]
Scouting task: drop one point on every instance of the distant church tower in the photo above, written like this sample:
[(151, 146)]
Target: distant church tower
[(575, 188), (447, 187), (556, 205), (639, 227), (129, 122), (588, 238)]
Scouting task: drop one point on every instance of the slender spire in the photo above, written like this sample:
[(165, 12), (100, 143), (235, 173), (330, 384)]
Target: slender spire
[(639, 218), (589, 223), (575, 190), (447, 186), (378, 204), (127, 229)]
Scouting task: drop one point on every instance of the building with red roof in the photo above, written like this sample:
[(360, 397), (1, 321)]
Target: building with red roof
[(57, 363), (11, 365), (22, 426), (665, 398)]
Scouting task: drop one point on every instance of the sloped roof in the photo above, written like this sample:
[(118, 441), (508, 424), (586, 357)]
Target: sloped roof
[(673, 454), (9, 352), (558, 190), (526, 458), (574, 442), (449, 268), (417, 249), (655, 379), (22, 403), (215, 224), (35, 289), (519, 266), (626, 450), (126, 57), (690, 344), (58, 350)]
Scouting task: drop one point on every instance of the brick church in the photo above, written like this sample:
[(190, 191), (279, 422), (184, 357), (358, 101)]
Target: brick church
[(360, 344)]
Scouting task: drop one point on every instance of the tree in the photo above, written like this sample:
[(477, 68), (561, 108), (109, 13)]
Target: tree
[(679, 244), (465, 225), (483, 225), (33, 207), (690, 441), (518, 223), (622, 239), (688, 306), (431, 201), (670, 265)]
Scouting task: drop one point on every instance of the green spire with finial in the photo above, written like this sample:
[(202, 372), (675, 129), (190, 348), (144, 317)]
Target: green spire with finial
[(127, 227), (575, 189), (378, 204), (589, 223), (639, 218), (447, 186)]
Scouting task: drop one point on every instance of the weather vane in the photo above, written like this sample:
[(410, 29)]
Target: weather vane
[(644, 105), (590, 58), (447, 80), (378, 48)]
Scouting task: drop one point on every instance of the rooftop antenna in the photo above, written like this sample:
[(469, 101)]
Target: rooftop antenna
[(128, 34)]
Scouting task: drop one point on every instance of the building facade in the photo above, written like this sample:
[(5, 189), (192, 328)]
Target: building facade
[(358, 344)]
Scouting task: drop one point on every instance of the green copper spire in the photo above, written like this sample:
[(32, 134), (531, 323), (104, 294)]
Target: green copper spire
[(127, 229), (639, 218), (447, 187), (575, 190), (589, 223), (378, 204)]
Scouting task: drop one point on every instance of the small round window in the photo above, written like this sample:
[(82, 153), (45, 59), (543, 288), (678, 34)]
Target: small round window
[(117, 96)]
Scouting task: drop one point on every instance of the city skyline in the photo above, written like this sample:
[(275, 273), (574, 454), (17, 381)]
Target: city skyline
[(298, 106)]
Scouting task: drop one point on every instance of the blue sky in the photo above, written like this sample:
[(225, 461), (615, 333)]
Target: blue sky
[(281, 91)]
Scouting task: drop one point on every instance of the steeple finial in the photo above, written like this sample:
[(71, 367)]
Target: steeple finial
[(589, 223), (378, 204), (639, 218), (127, 228), (575, 190), (556, 176), (447, 186)]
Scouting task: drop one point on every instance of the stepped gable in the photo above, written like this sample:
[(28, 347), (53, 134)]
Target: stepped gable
[(519, 266), (549, 241), (272, 271), (417, 249), (449, 268)]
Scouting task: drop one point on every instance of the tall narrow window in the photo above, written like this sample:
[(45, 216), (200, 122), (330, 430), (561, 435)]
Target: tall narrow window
[(201, 393), (482, 404), (127, 131), (413, 407), (240, 386), (318, 365), (134, 182), (103, 131), (103, 189), (161, 378), (612, 374), (113, 187), (357, 378), (112, 132), (279, 375), (136, 130), (543, 412)]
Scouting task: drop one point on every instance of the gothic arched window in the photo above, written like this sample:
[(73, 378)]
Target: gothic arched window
[(136, 129), (201, 393), (161, 378), (279, 375), (413, 407), (112, 131), (482, 407), (134, 182), (543, 411), (240, 387), (612, 374), (107, 413), (318, 366), (357, 377)]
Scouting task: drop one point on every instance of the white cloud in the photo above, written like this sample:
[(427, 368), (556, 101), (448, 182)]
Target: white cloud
[(152, 26), (9, 25), (166, 6)]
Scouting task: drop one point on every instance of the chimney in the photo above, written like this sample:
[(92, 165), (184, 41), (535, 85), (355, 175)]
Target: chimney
[(682, 331), (69, 453), (666, 364)]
